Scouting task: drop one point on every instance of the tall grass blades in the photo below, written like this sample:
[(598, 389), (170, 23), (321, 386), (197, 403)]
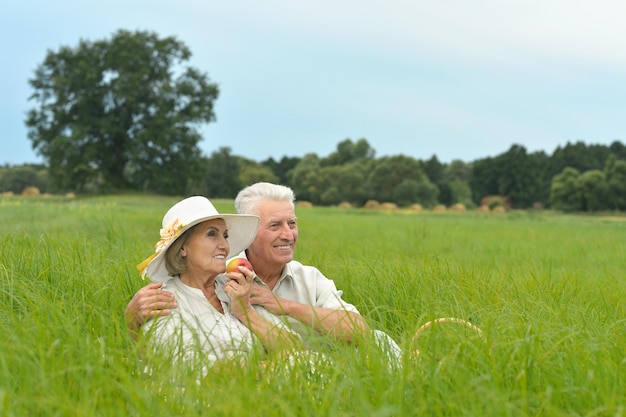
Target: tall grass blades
[(545, 289)]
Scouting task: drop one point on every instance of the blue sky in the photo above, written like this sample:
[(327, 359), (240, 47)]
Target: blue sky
[(453, 78)]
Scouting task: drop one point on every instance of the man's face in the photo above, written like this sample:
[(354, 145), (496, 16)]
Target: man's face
[(276, 239)]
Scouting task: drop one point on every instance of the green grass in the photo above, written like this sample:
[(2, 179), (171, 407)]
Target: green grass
[(546, 289)]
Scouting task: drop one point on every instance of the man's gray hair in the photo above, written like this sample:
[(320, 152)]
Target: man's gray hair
[(248, 199)]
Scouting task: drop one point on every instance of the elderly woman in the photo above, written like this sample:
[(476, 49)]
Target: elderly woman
[(214, 316)]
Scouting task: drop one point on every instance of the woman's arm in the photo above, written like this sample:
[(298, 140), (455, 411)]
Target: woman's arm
[(274, 338)]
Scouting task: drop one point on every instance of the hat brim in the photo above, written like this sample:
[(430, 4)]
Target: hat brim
[(242, 229)]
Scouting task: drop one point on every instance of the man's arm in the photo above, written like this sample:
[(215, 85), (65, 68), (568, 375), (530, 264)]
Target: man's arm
[(149, 302), (341, 324)]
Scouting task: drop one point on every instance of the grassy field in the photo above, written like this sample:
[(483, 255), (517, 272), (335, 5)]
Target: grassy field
[(547, 290)]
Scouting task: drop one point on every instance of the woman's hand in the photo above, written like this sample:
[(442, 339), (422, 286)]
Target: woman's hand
[(239, 288)]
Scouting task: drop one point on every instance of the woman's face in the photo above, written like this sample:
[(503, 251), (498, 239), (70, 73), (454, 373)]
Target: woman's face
[(206, 249)]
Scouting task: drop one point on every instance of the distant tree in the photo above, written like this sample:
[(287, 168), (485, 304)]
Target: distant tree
[(434, 170), (593, 190), (521, 176), (616, 182), (304, 179), (457, 170), (43, 180), (339, 177), (577, 155), (515, 174), (388, 172), (539, 181), (427, 193), (485, 175), (329, 185), (460, 192), (331, 196), (251, 172), (114, 112), (406, 193), (565, 193), (618, 150), (348, 151), (16, 178), (281, 169), (344, 183), (363, 150), (455, 185), (221, 174)]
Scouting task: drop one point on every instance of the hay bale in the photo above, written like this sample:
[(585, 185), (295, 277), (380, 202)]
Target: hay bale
[(344, 205), (458, 207), (372, 205), (389, 206), (483, 209), (31, 192), (416, 207), (70, 196), (498, 209), (496, 200), (439, 208), (7, 194), (304, 204)]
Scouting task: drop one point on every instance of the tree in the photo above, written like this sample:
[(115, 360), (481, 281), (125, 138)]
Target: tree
[(618, 150), (281, 169), (460, 192), (389, 172), (565, 191), (406, 192), (484, 181), (221, 174), (578, 155), (616, 181), (427, 193), (304, 179), (16, 178), (521, 178), (434, 170), (345, 183), (113, 111), (454, 187), (515, 174), (594, 190), (251, 172), (348, 152)]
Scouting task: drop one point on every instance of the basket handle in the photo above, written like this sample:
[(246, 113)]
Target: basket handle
[(429, 324)]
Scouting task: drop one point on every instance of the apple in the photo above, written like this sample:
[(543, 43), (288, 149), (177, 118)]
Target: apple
[(237, 262)]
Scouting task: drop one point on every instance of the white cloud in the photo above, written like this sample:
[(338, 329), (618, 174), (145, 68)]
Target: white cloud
[(300, 73), (478, 29)]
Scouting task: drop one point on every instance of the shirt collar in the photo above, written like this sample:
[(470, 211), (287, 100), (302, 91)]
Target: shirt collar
[(285, 276)]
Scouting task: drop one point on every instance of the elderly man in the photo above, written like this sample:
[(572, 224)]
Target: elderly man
[(299, 293)]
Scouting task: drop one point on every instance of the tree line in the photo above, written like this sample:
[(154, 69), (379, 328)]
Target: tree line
[(575, 177), (123, 114)]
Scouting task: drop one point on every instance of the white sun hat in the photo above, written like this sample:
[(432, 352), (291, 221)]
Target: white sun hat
[(183, 215)]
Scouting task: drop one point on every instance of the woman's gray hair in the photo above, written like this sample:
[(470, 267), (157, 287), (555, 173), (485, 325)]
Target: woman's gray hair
[(248, 199), (174, 263)]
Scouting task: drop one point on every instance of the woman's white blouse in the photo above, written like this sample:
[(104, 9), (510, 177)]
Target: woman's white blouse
[(195, 327)]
